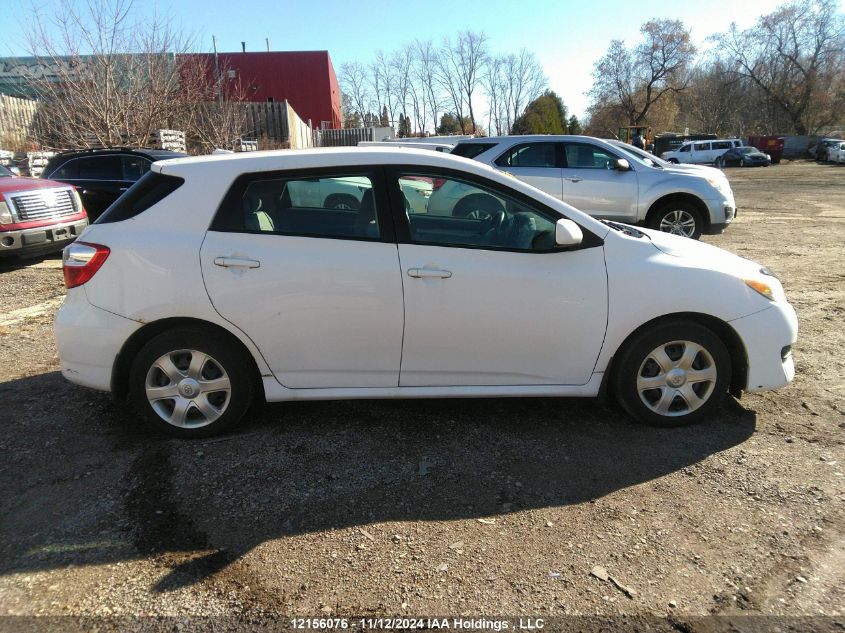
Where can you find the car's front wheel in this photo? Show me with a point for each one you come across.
(190, 383)
(674, 374)
(678, 218)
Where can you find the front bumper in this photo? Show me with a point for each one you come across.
(89, 340)
(722, 212)
(40, 240)
(768, 337)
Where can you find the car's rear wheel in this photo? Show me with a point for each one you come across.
(678, 218)
(187, 383)
(674, 374)
(720, 162)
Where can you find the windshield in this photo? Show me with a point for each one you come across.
(642, 157)
(5, 173)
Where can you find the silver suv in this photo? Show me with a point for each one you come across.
(606, 182)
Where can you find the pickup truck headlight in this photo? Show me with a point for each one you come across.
(5, 214)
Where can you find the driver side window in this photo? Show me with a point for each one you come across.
(465, 214)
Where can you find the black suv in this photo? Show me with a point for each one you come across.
(101, 175)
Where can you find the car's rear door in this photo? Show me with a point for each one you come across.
(317, 289)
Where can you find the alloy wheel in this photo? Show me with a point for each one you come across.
(678, 222)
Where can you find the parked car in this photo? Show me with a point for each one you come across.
(836, 154)
(701, 151)
(192, 311)
(601, 180)
(820, 150)
(101, 175)
(37, 217)
(744, 157)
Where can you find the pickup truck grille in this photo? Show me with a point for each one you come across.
(41, 204)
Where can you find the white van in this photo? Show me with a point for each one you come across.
(701, 151)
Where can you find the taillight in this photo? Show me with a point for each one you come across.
(81, 261)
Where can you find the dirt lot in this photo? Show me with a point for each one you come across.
(441, 508)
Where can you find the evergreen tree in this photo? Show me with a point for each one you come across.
(575, 125)
(545, 115)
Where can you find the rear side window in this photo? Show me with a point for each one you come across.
(333, 206)
(100, 168)
(151, 189)
(722, 145)
(702, 147)
(471, 150)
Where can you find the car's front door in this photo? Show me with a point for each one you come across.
(494, 301)
(591, 184)
(538, 163)
(317, 289)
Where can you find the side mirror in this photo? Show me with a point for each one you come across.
(15, 170)
(622, 164)
(567, 233)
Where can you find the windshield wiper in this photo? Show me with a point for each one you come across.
(624, 228)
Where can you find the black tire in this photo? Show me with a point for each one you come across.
(479, 206)
(674, 161)
(720, 162)
(677, 214)
(634, 361)
(226, 361)
(342, 201)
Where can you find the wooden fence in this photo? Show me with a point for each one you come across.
(16, 120)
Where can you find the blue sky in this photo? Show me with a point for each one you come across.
(567, 37)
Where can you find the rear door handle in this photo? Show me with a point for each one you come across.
(236, 262)
(429, 273)
(574, 179)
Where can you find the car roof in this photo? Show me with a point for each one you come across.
(225, 167)
(157, 154)
(521, 138)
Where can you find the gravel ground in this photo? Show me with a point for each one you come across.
(442, 508)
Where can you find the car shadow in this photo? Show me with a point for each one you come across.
(90, 485)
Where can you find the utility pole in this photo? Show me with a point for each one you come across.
(217, 70)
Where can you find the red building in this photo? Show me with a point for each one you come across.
(306, 79)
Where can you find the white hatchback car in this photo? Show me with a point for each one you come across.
(204, 287)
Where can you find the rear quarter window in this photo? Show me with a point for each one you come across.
(151, 189)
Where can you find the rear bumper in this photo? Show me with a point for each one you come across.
(78, 326)
(40, 240)
(768, 337)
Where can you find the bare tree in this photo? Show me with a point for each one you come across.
(795, 56)
(638, 78)
(355, 84)
(494, 82)
(524, 82)
(113, 80)
(426, 66)
(460, 68)
(384, 85)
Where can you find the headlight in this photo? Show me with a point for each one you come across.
(718, 184)
(5, 214)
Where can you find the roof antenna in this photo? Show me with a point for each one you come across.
(267, 40)
(243, 47)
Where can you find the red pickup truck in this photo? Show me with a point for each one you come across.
(37, 216)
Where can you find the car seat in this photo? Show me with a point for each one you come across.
(365, 221)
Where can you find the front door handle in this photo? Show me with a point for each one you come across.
(429, 273)
(574, 179)
(236, 262)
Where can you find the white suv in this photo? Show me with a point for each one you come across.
(181, 300)
(699, 152)
(596, 177)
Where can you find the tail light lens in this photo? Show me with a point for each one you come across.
(81, 261)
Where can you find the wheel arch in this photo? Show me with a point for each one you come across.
(142, 336)
(722, 329)
(689, 198)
